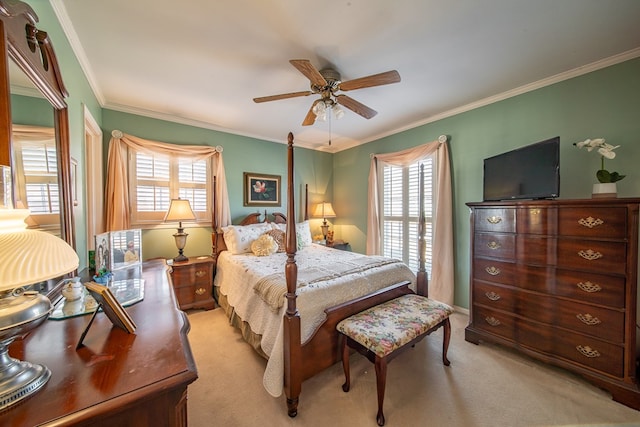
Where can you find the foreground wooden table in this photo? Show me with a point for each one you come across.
(116, 379)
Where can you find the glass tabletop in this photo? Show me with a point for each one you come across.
(127, 292)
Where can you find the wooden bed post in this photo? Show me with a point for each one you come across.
(291, 336)
(422, 280)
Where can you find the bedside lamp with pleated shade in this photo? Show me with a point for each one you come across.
(180, 210)
(27, 257)
(324, 210)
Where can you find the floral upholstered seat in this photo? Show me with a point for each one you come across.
(386, 327)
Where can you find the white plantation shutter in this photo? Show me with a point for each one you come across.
(400, 207)
(157, 178)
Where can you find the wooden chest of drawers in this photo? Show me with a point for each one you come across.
(558, 281)
(193, 282)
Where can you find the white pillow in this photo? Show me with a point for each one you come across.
(264, 245)
(238, 238)
(303, 234)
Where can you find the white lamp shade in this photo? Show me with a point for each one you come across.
(324, 210)
(30, 256)
(179, 210)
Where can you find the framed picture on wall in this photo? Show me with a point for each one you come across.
(261, 189)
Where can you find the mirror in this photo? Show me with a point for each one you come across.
(32, 81)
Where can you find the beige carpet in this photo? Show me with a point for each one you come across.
(486, 385)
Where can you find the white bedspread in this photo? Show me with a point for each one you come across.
(237, 275)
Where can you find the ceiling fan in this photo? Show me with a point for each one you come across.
(326, 83)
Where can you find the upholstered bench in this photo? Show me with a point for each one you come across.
(383, 331)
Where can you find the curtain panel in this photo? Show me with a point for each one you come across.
(442, 273)
(117, 191)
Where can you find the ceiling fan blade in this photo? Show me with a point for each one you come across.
(282, 96)
(311, 116)
(373, 80)
(311, 72)
(355, 106)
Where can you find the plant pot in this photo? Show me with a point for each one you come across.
(604, 190)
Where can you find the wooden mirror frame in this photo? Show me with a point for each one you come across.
(31, 50)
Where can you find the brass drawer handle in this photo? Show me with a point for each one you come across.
(494, 245)
(588, 319)
(200, 273)
(590, 222)
(492, 296)
(494, 219)
(589, 287)
(492, 321)
(492, 270)
(588, 351)
(200, 291)
(590, 255)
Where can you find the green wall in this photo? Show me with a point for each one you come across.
(605, 103)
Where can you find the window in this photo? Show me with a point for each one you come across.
(400, 209)
(157, 178)
(37, 181)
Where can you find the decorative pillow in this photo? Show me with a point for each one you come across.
(281, 227)
(279, 237)
(238, 238)
(264, 245)
(303, 234)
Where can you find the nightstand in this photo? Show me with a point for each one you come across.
(339, 244)
(193, 282)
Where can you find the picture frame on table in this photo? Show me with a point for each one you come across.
(261, 189)
(125, 248)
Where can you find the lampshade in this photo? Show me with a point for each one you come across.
(30, 256)
(179, 210)
(324, 210)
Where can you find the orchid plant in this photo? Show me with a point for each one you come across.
(606, 151)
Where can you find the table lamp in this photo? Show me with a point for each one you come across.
(27, 257)
(180, 210)
(324, 210)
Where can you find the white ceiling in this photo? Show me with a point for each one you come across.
(201, 62)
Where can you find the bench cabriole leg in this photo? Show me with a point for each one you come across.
(445, 341)
(345, 365)
(381, 382)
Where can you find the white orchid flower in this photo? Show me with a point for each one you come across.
(606, 153)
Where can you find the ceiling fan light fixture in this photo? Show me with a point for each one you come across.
(319, 108)
(338, 112)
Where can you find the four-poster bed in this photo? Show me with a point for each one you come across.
(299, 337)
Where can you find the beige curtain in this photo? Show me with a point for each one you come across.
(117, 192)
(441, 280)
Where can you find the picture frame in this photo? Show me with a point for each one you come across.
(261, 189)
(125, 249)
(103, 252)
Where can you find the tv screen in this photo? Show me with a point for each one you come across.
(531, 172)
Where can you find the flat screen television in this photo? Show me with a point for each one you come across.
(530, 172)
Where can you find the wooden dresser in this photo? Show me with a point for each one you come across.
(557, 280)
(116, 379)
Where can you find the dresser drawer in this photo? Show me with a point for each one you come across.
(592, 255)
(494, 271)
(495, 245)
(591, 287)
(536, 220)
(193, 294)
(495, 297)
(593, 222)
(494, 322)
(587, 351)
(192, 274)
(495, 219)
